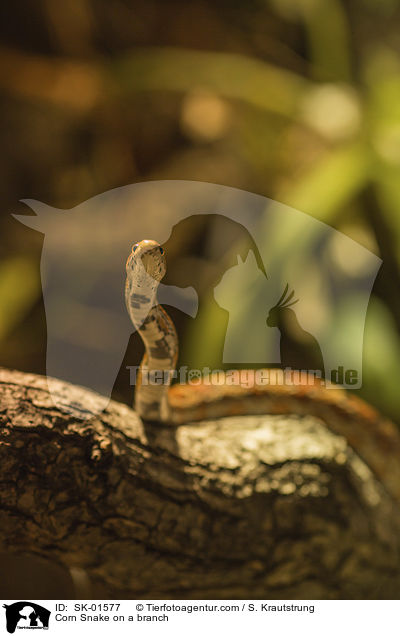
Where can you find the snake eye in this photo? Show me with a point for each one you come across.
(161, 250)
(134, 248)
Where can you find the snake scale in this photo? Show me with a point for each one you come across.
(373, 437)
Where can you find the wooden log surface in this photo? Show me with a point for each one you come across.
(258, 506)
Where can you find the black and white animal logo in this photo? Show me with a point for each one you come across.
(25, 614)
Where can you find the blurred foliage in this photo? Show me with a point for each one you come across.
(19, 288)
(298, 100)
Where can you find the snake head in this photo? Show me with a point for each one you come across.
(150, 255)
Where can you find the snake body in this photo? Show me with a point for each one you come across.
(372, 436)
(145, 269)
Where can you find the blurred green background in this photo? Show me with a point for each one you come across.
(297, 100)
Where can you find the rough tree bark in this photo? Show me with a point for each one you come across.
(263, 506)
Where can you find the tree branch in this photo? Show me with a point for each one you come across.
(263, 506)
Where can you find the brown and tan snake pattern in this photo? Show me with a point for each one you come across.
(374, 438)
